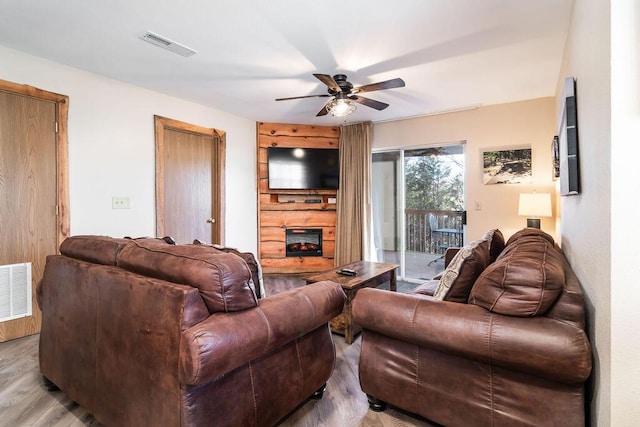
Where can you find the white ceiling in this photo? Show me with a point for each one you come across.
(452, 54)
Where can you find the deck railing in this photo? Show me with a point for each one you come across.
(420, 237)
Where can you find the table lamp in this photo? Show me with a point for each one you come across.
(534, 206)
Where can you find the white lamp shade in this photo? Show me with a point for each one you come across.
(535, 205)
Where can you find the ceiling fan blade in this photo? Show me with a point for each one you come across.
(389, 84)
(323, 112)
(305, 96)
(369, 102)
(328, 80)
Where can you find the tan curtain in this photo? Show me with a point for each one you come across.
(354, 196)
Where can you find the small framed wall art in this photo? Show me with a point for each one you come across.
(555, 157)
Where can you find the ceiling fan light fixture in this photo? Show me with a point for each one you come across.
(341, 106)
(344, 95)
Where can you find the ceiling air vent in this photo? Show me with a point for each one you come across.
(165, 43)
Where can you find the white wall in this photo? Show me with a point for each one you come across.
(599, 233)
(625, 235)
(527, 123)
(112, 149)
(586, 219)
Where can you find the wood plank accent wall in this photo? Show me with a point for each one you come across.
(275, 217)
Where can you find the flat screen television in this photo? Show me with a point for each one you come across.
(303, 168)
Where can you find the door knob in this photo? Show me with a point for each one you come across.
(211, 220)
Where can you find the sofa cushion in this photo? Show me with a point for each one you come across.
(222, 278)
(496, 243)
(96, 249)
(427, 288)
(529, 231)
(465, 267)
(525, 280)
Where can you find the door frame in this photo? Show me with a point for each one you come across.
(218, 196)
(29, 325)
(62, 149)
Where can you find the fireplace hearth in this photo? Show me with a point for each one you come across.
(303, 242)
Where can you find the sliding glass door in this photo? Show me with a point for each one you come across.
(418, 207)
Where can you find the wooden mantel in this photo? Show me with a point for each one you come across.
(275, 211)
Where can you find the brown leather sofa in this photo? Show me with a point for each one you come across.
(512, 352)
(144, 333)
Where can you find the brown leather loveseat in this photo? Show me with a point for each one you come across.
(144, 333)
(500, 343)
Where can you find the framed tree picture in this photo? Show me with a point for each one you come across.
(507, 166)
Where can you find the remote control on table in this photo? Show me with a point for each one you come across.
(347, 272)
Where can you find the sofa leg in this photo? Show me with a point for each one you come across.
(49, 385)
(376, 405)
(319, 393)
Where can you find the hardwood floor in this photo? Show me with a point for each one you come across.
(344, 403)
(25, 401)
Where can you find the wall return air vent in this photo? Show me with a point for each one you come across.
(165, 43)
(15, 291)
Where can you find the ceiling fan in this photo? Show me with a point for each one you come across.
(345, 95)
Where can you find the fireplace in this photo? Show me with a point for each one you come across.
(303, 242)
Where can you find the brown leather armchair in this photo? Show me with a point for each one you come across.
(515, 354)
(144, 333)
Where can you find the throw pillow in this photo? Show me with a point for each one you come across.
(526, 280)
(166, 239)
(463, 270)
(252, 263)
(496, 243)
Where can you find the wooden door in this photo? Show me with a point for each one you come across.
(189, 181)
(32, 197)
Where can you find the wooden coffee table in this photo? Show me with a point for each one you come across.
(370, 274)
